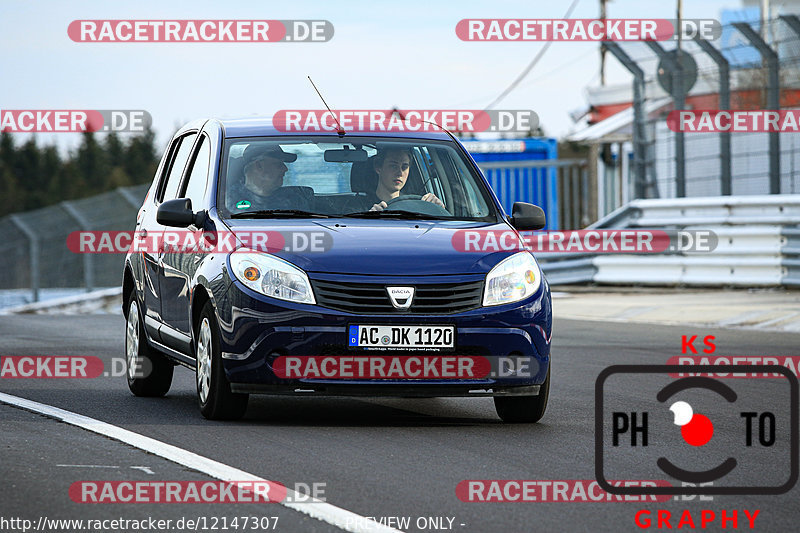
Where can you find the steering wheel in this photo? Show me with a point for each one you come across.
(403, 198)
(415, 204)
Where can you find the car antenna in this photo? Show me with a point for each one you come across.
(340, 131)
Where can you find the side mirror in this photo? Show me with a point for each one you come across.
(177, 213)
(526, 216)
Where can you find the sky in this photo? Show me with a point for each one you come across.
(383, 54)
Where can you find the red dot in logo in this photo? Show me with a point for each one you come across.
(698, 431)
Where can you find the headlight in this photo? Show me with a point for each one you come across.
(271, 276)
(512, 280)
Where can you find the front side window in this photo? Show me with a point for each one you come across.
(198, 175)
(170, 190)
(331, 176)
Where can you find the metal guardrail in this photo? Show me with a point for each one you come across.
(758, 244)
(791, 256)
(103, 300)
(33, 251)
(758, 270)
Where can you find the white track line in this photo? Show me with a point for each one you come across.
(320, 510)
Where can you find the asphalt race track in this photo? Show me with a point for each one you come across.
(377, 457)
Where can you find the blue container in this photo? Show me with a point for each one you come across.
(535, 185)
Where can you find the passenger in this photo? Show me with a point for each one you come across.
(262, 187)
(392, 166)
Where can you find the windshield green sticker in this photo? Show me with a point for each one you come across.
(243, 204)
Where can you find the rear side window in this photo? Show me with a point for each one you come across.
(181, 155)
(198, 175)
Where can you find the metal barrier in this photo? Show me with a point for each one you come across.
(758, 244)
(34, 253)
(791, 256)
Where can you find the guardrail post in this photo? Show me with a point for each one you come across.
(88, 259)
(642, 183)
(593, 186)
(679, 100)
(587, 198)
(773, 100)
(33, 251)
(793, 21)
(723, 67)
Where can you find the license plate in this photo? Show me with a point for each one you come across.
(402, 337)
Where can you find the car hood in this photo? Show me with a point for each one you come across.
(385, 247)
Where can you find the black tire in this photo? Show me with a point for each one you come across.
(524, 409)
(148, 372)
(214, 395)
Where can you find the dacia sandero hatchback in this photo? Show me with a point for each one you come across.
(325, 263)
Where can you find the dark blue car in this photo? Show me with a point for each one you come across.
(325, 263)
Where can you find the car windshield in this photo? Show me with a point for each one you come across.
(301, 177)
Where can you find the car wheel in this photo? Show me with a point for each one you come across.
(515, 409)
(214, 395)
(149, 373)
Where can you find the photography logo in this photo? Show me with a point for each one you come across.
(736, 437)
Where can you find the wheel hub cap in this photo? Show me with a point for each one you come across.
(132, 340)
(204, 360)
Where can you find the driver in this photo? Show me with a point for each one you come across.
(392, 166)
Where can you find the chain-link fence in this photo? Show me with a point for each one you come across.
(750, 67)
(34, 252)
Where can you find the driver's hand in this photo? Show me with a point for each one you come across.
(430, 197)
(379, 207)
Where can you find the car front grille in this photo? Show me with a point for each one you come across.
(372, 298)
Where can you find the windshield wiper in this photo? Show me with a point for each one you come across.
(279, 213)
(395, 214)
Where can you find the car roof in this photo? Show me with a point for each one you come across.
(263, 127)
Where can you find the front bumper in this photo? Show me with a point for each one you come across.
(256, 330)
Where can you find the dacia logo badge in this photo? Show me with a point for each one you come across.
(401, 297)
